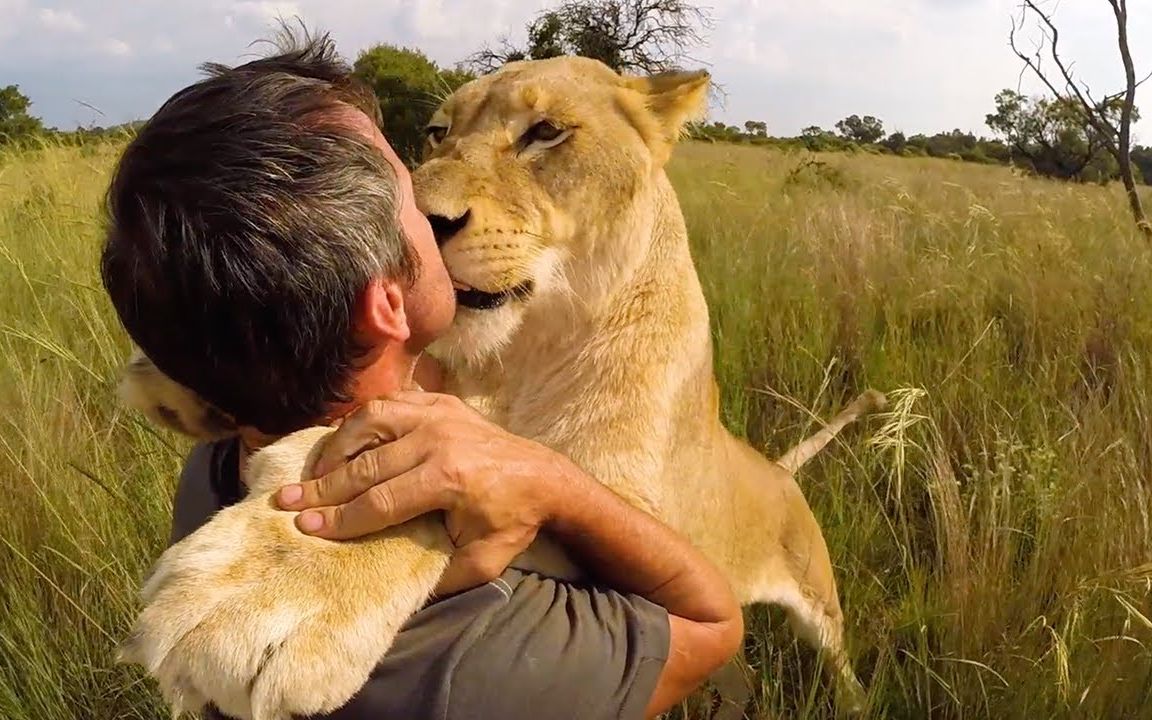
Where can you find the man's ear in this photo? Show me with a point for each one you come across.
(674, 99)
(381, 316)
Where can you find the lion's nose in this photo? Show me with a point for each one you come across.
(444, 228)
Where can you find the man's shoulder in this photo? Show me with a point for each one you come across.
(564, 650)
(579, 651)
(201, 490)
(198, 464)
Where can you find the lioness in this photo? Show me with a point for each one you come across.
(582, 325)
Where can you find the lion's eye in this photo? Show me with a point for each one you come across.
(545, 134)
(436, 134)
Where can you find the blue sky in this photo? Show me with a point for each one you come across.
(919, 65)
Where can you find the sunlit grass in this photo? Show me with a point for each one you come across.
(992, 530)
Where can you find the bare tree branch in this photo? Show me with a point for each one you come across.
(1052, 36)
(645, 36)
(489, 59)
(1114, 134)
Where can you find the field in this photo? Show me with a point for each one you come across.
(993, 531)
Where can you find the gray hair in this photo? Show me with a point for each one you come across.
(245, 221)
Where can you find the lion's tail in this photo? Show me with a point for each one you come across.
(867, 402)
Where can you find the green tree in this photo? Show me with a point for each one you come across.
(16, 123)
(1054, 135)
(896, 142)
(546, 37)
(817, 139)
(643, 36)
(756, 128)
(409, 87)
(862, 130)
(1142, 159)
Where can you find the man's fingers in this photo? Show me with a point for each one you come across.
(350, 480)
(378, 422)
(382, 506)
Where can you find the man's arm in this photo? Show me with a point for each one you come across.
(430, 452)
(633, 552)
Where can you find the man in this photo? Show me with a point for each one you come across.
(265, 251)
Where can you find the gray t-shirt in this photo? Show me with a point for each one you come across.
(523, 646)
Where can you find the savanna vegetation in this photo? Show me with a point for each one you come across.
(992, 530)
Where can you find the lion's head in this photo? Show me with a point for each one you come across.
(538, 181)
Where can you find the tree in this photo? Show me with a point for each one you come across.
(1142, 159)
(16, 122)
(1054, 136)
(1113, 128)
(642, 36)
(862, 130)
(409, 88)
(817, 139)
(756, 128)
(965, 145)
(896, 142)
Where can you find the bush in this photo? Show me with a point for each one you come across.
(813, 173)
(409, 88)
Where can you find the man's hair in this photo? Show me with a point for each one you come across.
(245, 221)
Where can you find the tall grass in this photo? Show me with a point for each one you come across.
(993, 536)
(85, 488)
(992, 530)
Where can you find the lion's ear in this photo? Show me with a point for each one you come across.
(166, 403)
(674, 98)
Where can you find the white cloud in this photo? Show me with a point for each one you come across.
(115, 48)
(13, 12)
(745, 46)
(920, 65)
(13, 7)
(431, 21)
(162, 44)
(264, 10)
(62, 20)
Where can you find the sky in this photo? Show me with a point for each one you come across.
(919, 65)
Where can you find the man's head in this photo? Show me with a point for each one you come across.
(264, 248)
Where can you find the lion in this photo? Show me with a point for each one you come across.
(582, 325)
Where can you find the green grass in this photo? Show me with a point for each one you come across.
(993, 532)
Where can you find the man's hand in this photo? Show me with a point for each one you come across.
(393, 460)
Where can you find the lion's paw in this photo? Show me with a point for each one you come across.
(266, 623)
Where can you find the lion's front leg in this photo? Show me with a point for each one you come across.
(265, 623)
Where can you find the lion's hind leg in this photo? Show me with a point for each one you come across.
(815, 617)
(801, 580)
(822, 627)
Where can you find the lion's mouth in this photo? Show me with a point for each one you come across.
(469, 297)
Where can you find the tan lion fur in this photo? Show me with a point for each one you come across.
(268, 623)
(609, 361)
